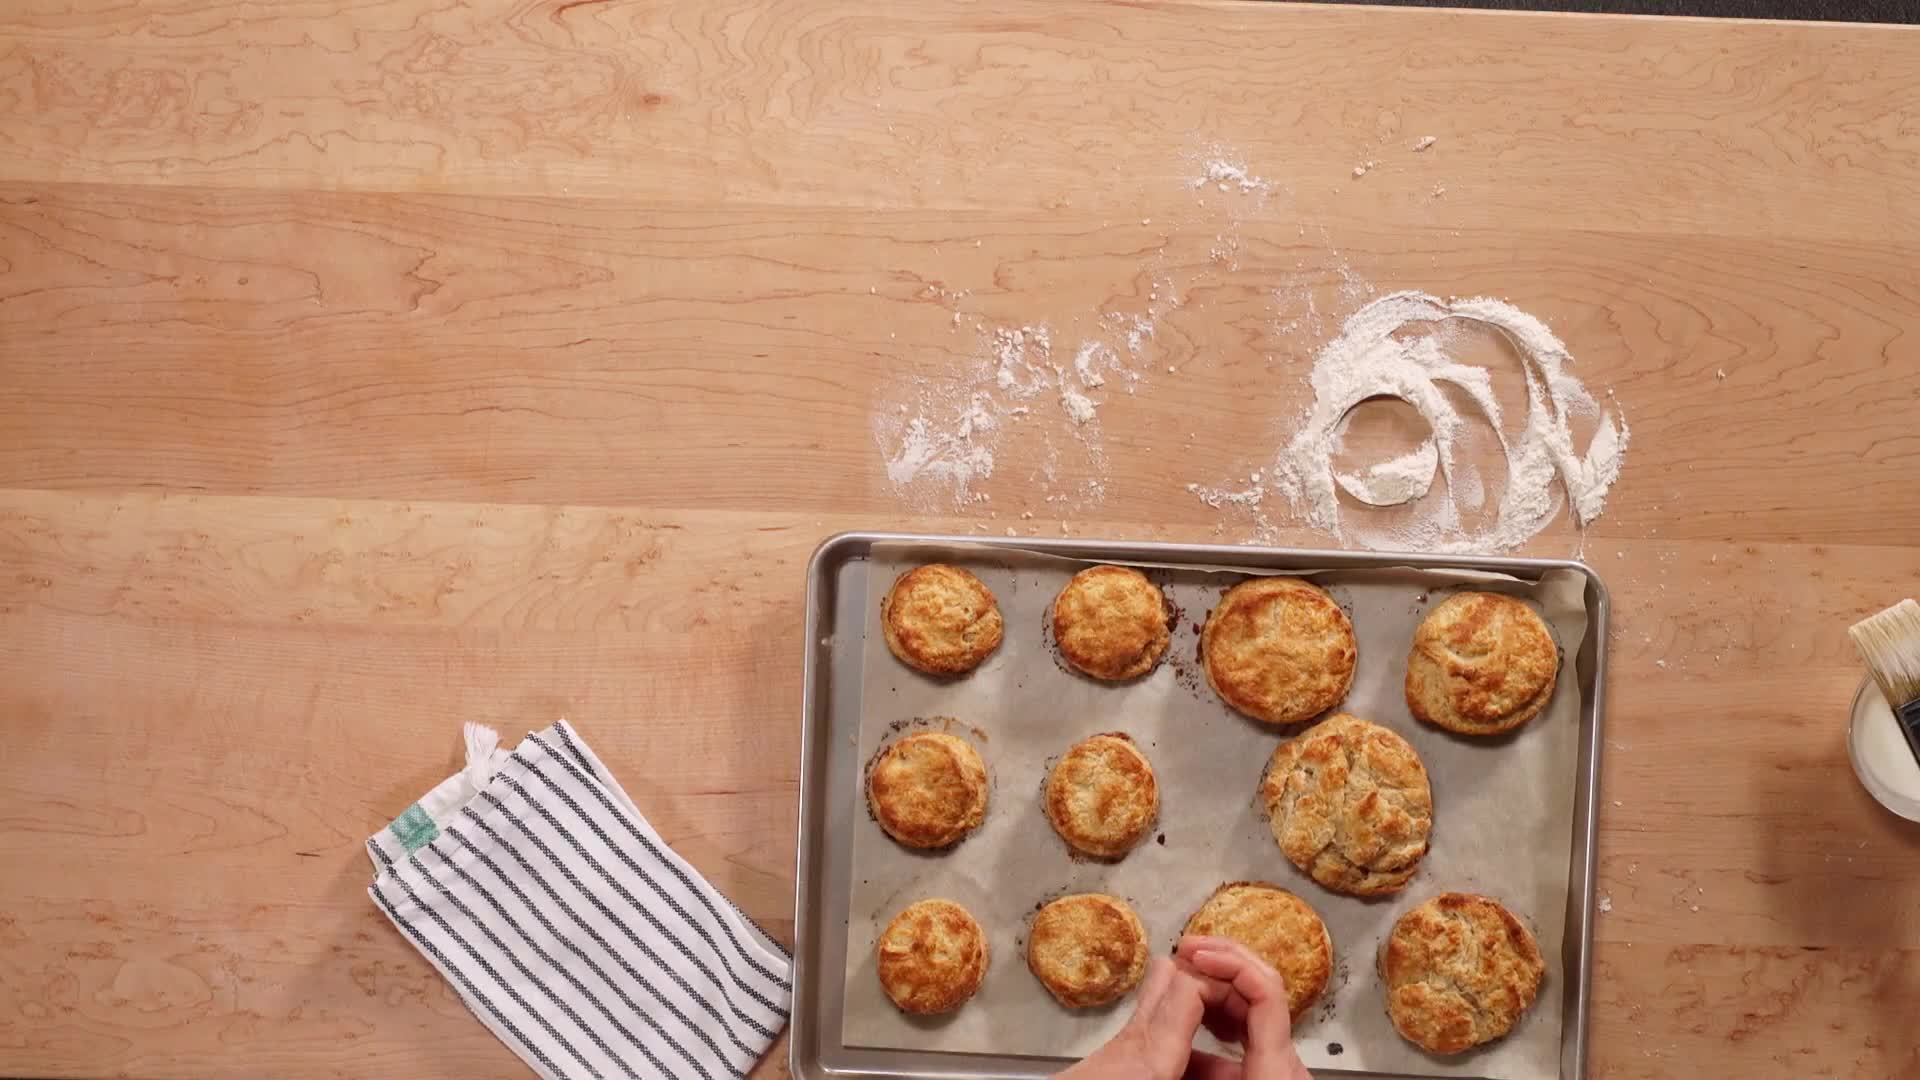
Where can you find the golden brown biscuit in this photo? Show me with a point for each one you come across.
(928, 790)
(932, 957)
(1459, 971)
(1349, 803)
(1279, 649)
(1087, 949)
(1112, 623)
(940, 619)
(1481, 664)
(1102, 796)
(1279, 927)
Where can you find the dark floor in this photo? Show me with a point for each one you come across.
(1887, 11)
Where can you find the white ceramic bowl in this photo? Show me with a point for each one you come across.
(1881, 758)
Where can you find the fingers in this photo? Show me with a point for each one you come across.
(1268, 1029)
(1174, 1000)
(1205, 1066)
(1226, 1010)
(1223, 1010)
(1235, 965)
(1214, 993)
(1228, 1021)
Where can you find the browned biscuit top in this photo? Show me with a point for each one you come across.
(1279, 649)
(940, 619)
(928, 790)
(1459, 970)
(1348, 802)
(1481, 663)
(1102, 796)
(932, 957)
(1110, 622)
(1087, 949)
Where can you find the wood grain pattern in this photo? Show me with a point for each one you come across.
(372, 367)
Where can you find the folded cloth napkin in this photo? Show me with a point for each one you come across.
(573, 932)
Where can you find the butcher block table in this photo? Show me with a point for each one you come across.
(365, 369)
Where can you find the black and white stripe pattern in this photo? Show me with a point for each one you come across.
(575, 933)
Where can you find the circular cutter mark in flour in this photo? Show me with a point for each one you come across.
(1368, 360)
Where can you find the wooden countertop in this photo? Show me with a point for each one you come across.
(372, 368)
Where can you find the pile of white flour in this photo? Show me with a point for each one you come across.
(1369, 359)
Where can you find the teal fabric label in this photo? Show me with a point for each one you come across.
(414, 829)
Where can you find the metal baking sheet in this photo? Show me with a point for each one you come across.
(838, 602)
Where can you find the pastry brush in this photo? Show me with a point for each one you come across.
(1890, 644)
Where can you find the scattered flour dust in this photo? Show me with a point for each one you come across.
(1220, 498)
(939, 444)
(1226, 175)
(948, 452)
(1368, 360)
(939, 436)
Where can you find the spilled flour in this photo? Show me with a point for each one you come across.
(940, 435)
(1391, 483)
(940, 444)
(1031, 399)
(1368, 359)
(1227, 175)
(926, 449)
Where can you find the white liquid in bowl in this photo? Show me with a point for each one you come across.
(1881, 757)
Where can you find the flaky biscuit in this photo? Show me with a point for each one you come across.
(1279, 927)
(1102, 796)
(1348, 802)
(1279, 650)
(940, 619)
(1087, 949)
(1110, 622)
(1481, 664)
(932, 957)
(1459, 970)
(928, 790)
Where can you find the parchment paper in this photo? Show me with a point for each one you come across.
(1503, 812)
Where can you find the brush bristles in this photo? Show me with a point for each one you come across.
(1890, 644)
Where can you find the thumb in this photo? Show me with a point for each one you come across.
(1152, 989)
(1165, 1022)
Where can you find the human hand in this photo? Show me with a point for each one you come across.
(1251, 1012)
(1157, 1041)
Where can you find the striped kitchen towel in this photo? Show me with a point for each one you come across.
(573, 932)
